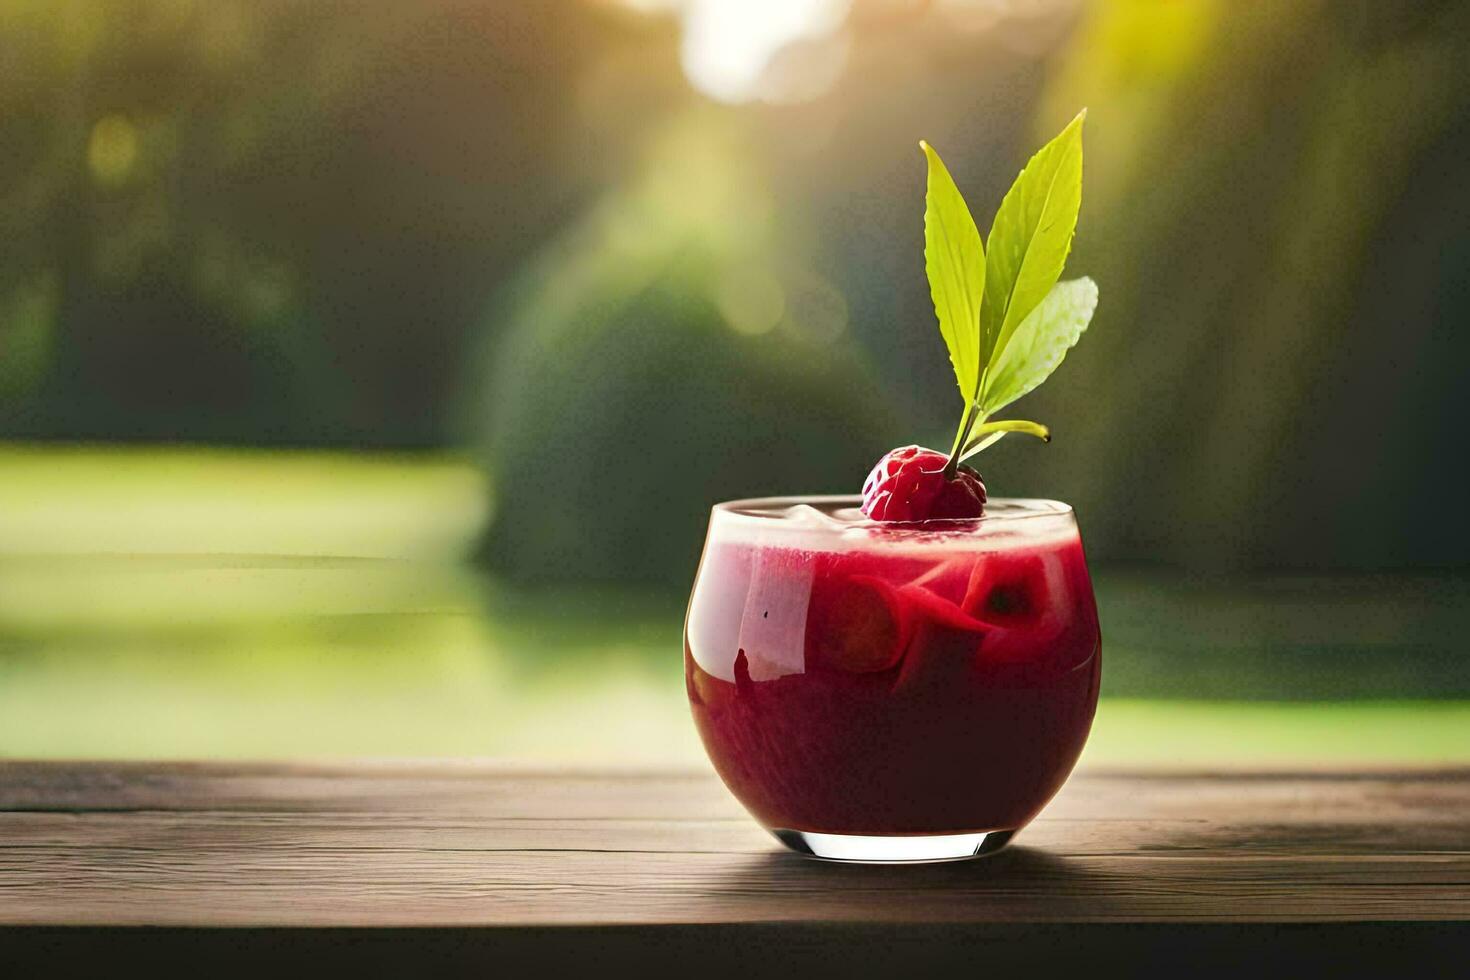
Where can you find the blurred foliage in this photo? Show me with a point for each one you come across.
(1276, 209)
(669, 351)
(256, 221)
(393, 224)
(1275, 213)
(516, 227)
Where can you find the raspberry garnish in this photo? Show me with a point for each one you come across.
(910, 484)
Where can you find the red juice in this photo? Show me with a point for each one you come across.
(855, 678)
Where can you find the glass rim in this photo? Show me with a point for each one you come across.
(746, 511)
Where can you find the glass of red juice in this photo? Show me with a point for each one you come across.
(892, 692)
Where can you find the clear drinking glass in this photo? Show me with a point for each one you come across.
(881, 692)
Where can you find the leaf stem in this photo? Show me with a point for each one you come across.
(988, 433)
(967, 422)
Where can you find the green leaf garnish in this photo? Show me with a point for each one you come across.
(1032, 235)
(1005, 318)
(1039, 343)
(954, 259)
(974, 446)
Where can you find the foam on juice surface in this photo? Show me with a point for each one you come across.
(835, 524)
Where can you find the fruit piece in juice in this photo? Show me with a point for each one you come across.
(862, 625)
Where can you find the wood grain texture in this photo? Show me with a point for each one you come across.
(463, 844)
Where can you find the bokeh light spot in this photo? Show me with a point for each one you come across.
(752, 301)
(112, 149)
(730, 45)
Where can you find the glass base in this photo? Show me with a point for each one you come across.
(894, 849)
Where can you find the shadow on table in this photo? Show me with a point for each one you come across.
(1018, 884)
(1017, 911)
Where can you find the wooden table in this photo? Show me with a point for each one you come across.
(462, 865)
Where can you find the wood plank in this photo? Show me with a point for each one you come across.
(589, 888)
(159, 832)
(485, 789)
(471, 844)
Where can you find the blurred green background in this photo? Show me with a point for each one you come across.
(367, 369)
